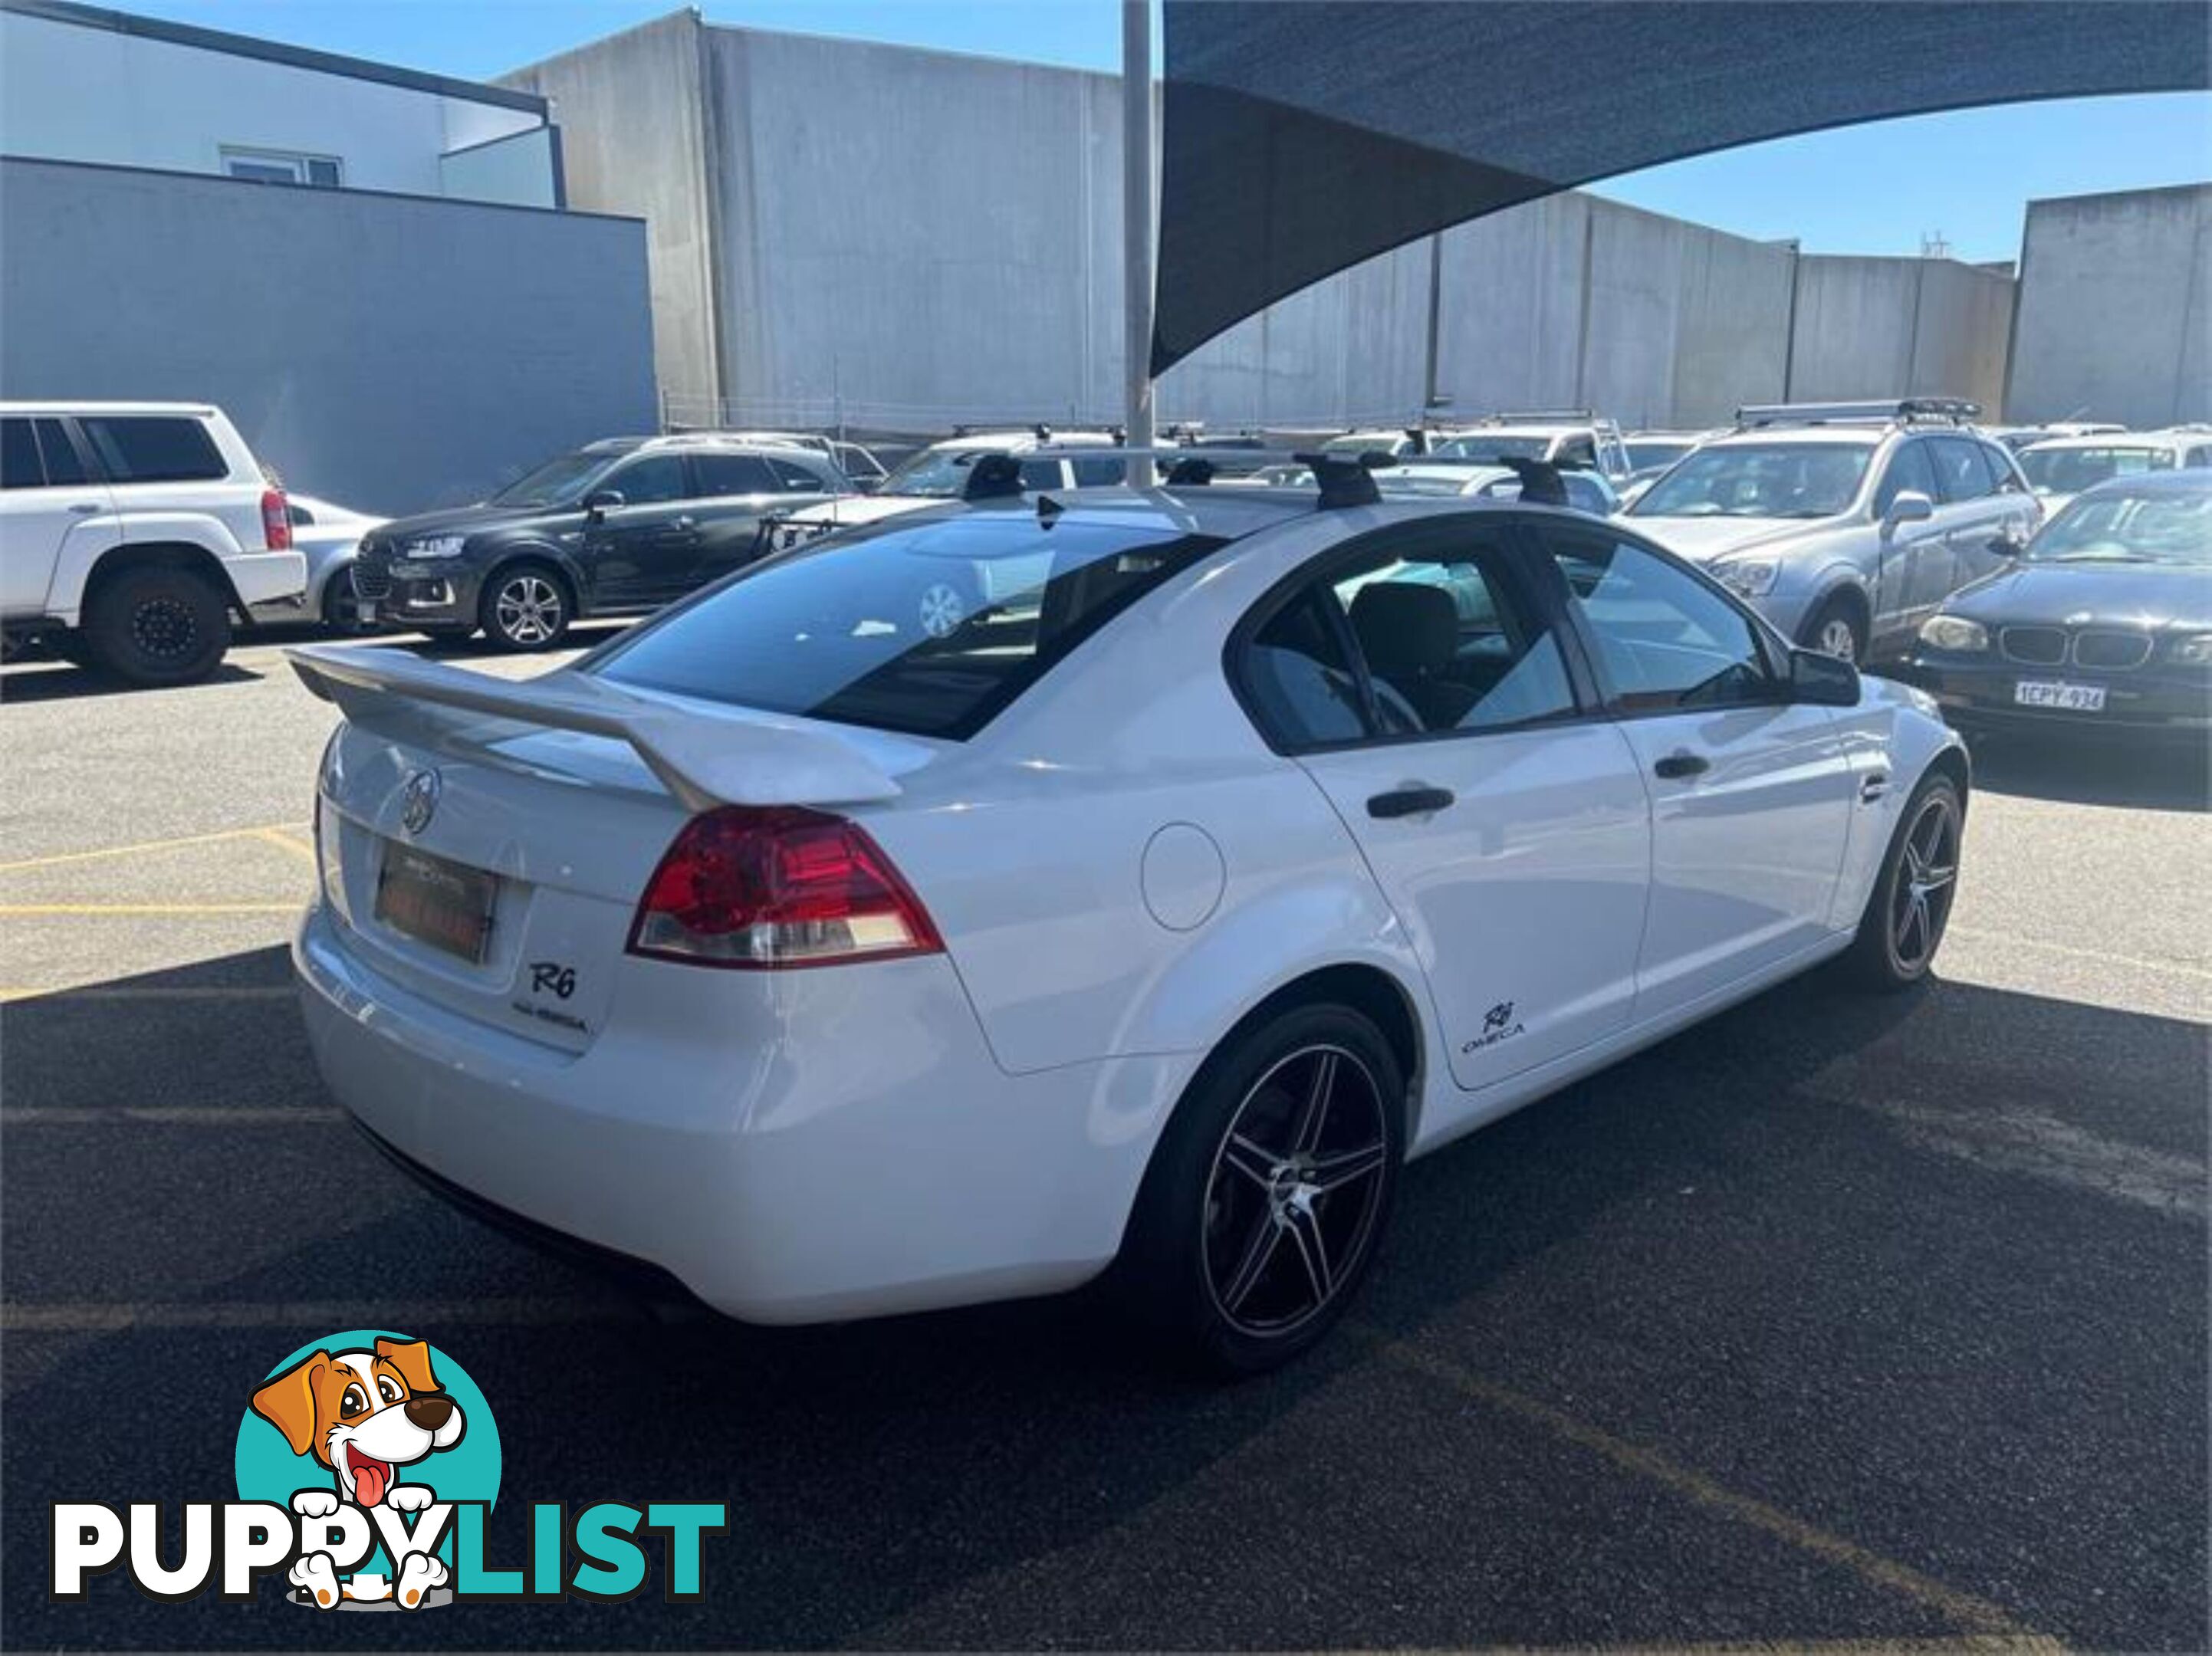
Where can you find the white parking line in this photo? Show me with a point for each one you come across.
(87, 1318)
(150, 992)
(2137, 962)
(2043, 1147)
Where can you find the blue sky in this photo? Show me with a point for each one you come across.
(1874, 189)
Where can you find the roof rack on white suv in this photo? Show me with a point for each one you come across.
(1906, 410)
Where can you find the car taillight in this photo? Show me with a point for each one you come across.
(276, 521)
(778, 886)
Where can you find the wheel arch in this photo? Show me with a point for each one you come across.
(538, 552)
(1845, 584)
(120, 560)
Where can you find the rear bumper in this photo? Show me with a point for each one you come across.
(1976, 693)
(263, 578)
(861, 1154)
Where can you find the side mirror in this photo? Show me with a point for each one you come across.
(600, 501)
(1823, 681)
(2004, 546)
(1910, 506)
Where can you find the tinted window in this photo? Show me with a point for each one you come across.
(2001, 467)
(1664, 637)
(19, 456)
(932, 628)
(1092, 474)
(560, 482)
(649, 482)
(1302, 684)
(2199, 457)
(796, 479)
(734, 473)
(1909, 468)
(153, 449)
(63, 464)
(1041, 474)
(2055, 470)
(1960, 471)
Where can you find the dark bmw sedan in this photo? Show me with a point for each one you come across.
(617, 527)
(2103, 622)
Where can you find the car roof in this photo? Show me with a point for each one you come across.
(2170, 437)
(1022, 441)
(2188, 480)
(1863, 436)
(67, 408)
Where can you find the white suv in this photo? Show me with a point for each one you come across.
(1566, 437)
(139, 530)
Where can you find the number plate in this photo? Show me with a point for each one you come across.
(445, 904)
(2051, 693)
(367, 608)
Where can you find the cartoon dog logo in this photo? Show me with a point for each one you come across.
(364, 1414)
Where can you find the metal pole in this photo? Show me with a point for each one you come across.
(1137, 229)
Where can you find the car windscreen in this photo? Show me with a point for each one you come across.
(1488, 451)
(1418, 485)
(558, 482)
(2160, 528)
(1759, 480)
(937, 474)
(1644, 453)
(929, 628)
(2070, 470)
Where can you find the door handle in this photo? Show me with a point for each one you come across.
(84, 508)
(684, 523)
(1675, 765)
(1409, 802)
(1874, 785)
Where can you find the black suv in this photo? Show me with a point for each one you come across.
(617, 527)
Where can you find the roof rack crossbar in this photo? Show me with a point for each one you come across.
(1955, 409)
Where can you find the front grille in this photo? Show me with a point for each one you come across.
(2108, 648)
(2037, 646)
(372, 580)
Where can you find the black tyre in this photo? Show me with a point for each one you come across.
(1837, 628)
(525, 606)
(1910, 905)
(157, 625)
(342, 607)
(1267, 1196)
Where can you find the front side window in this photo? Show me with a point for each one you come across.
(1437, 645)
(155, 448)
(1910, 470)
(734, 473)
(1778, 479)
(1960, 471)
(1665, 639)
(929, 628)
(18, 457)
(651, 481)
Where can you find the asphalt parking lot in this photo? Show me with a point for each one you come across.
(1833, 1320)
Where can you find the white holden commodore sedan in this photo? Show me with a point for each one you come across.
(1240, 847)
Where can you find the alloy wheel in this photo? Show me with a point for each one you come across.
(1926, 880)
(528, 608)
(1836, 638)
(1296, 1184)
(165, 628)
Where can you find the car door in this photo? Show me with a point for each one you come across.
(736, 492)
(1971, 514)
(646, 549)
(1902, 548)
(1429, 697)
(2015, 518)
(46, 496)
(1751, 794)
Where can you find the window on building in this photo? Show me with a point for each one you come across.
(281, 166)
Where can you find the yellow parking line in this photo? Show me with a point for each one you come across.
(149, 908)
(1974, 1614)
(278, 837)
(143, 845)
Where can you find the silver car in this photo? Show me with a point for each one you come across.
(1845, 523)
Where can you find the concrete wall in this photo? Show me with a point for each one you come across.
(429, 352)
(2116, 309)
(72, 92)
(635, 136)
(1879, 327)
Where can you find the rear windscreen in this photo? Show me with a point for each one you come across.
(931, 628)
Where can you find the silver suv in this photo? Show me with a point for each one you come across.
(1846, 523)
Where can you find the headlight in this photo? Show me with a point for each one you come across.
(2195, 651)
(1954, 633)
(435, 545)
(1752, 576)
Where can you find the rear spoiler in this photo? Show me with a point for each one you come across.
(703, 760)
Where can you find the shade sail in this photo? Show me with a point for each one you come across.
(1299, 138)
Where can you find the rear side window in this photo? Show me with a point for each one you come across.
(1041, 474)
(733, 474)
(931, 628)
(794, 479)
(19, 456)
(63, 464)
(1960, 471)
(154, 449)
(1093, 474)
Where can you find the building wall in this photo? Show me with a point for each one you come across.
(633, 133)
(427, 353)
(1877, 327)
(70, 91)
(2116, 309)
